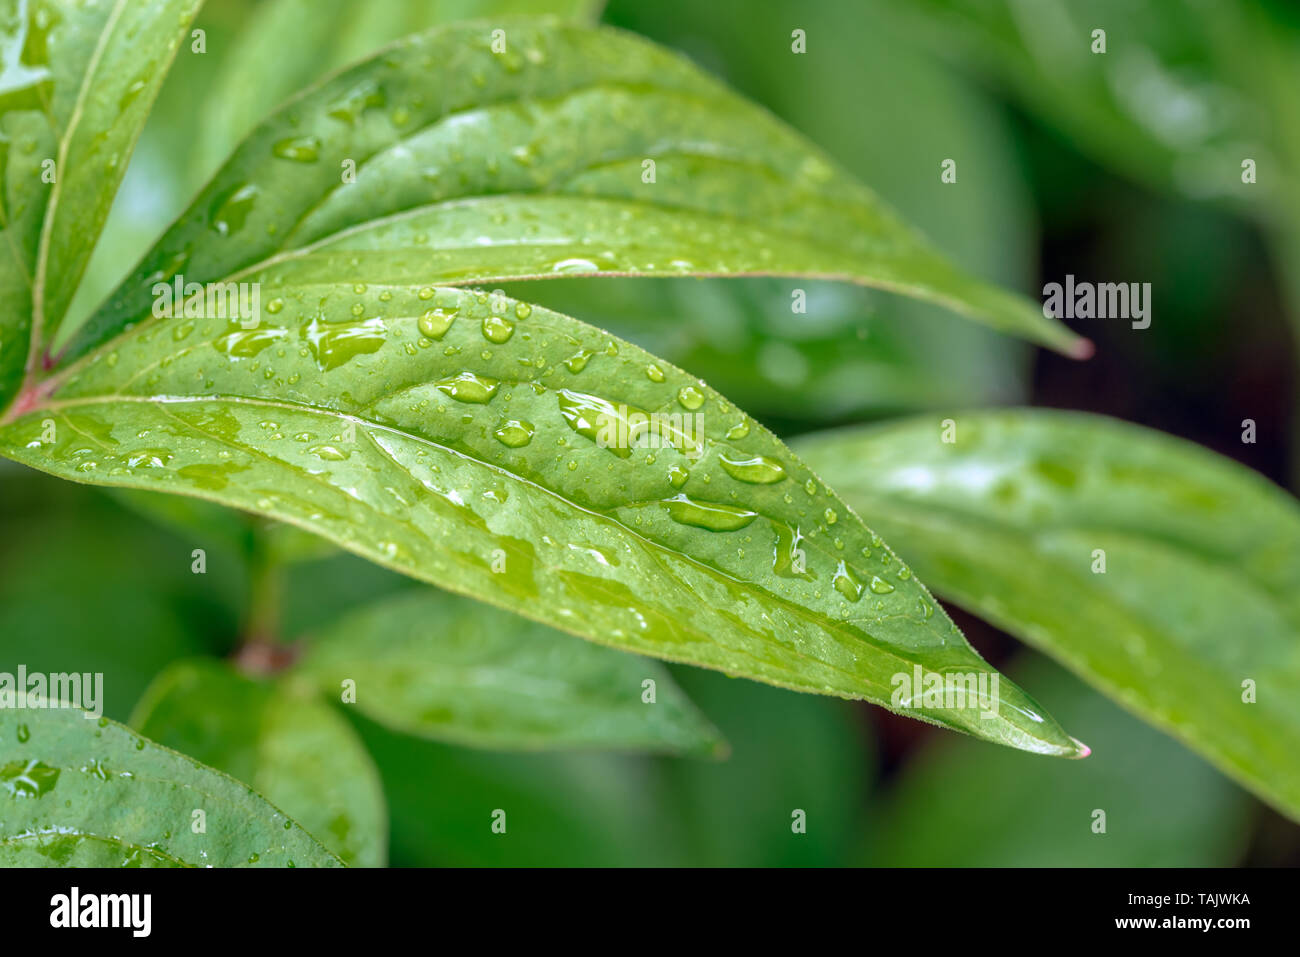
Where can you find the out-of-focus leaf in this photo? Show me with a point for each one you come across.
(957, 806)
(436, 666)
(790, 753)
(1192, 624)
(494, 449)
(1174, 100)
(137, 606)
(75, 792)
(281, 740)
(75, 89)
(557, 810)
(440, 160)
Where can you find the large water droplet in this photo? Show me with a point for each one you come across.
(300, 149)
(846, 583)
(708, 515)
(435, 322)
(758, 470)
(497, 329)
(468, 387)
(515, 433)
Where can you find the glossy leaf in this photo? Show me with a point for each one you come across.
(280, 739)
(440, 160)
(262, 71)
(1164, 806)
(73, 98)
(1193, 624)
(436, 666)
(494, 449)
(76, 792)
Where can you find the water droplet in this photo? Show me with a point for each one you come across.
(578, 361)
(880, 586)
(328, 453)
(231, 209)
(523, 310)
(300, 149)
(435, 322)
(830, 516)
(708, 515)
(515, 433)
(759, 470)
(24, 734)
(654, 373)
(677, 476)
(468, 387)
(739, 430)
(847, 584)
(498, 330)
(690, 397)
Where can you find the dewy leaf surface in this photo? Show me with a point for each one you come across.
(262, 71)
(1201, 591)
(440, 160)
(76, 792)
(440, 667)
(281, 739)
(485, 445)
(77, 80)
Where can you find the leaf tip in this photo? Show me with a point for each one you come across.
(1082, 348)
(1081, 749)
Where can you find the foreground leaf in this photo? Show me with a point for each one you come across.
(280, 739)
(1200, 598)
(74, 95)
(440, 160)
(457, 437)
(440, 667)
(84, 793)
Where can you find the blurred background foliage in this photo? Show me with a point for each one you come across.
(1107, 169)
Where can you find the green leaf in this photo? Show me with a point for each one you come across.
(79, 793)
(152, 606)
(71, 107)
(1201, 589)
(261, 71)
(788, 753)
(446, 434)
(476, 166)
(1164, 807)
(280, 739)
(439, 667)
(1175, 99)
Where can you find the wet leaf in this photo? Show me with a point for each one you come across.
(440, 667)
(1193, 623)
(571, 151)
(261, 71)
(71, 108)
(282, 740)
(519, 456)
(80, 792)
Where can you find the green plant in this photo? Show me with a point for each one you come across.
(384, 402)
